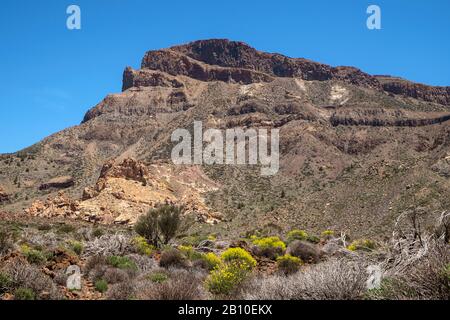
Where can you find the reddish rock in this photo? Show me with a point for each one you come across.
(419, 91)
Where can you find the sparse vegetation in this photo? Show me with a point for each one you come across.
(34, 256)
(158, 277)
(416, 265)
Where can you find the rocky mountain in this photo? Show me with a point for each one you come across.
(356, 150)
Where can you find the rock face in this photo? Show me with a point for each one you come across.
(129, 188)
(419, 91)
(129, 169)
(224, 60)
(58, 183)
(59, 206)
(385, 118)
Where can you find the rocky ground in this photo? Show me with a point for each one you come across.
(70, 259)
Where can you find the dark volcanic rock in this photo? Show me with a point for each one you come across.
(383, 118)
(175, 63)
(58, 183)
(439, 95)
(243, 64)
(144, 78)
(234, 54)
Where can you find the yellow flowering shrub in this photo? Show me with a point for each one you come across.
(327, 233)
(212, 260)
(361, 245)
(142, 246)
(224, 280)
(270, 242)
(239, 255)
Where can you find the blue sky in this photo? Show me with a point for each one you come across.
(50, 76)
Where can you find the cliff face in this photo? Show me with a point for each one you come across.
(440, 95)
(224, 60)
(356, 150)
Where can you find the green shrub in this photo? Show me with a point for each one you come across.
(76, 247)
(223, 280)
(159, 224)
(288, 264)
(147, 227)
(158, 277)
(212, 261)
(193, 240)
(24, 294)
(5, 282)
(240, 256)
(365, 244)
(143, 247)
(121, 263)
(32, 255)
(101, 286)
(169, 221)
(297, 235)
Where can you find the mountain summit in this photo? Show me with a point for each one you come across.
(357, 150)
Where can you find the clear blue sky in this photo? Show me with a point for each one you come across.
(50, 75)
